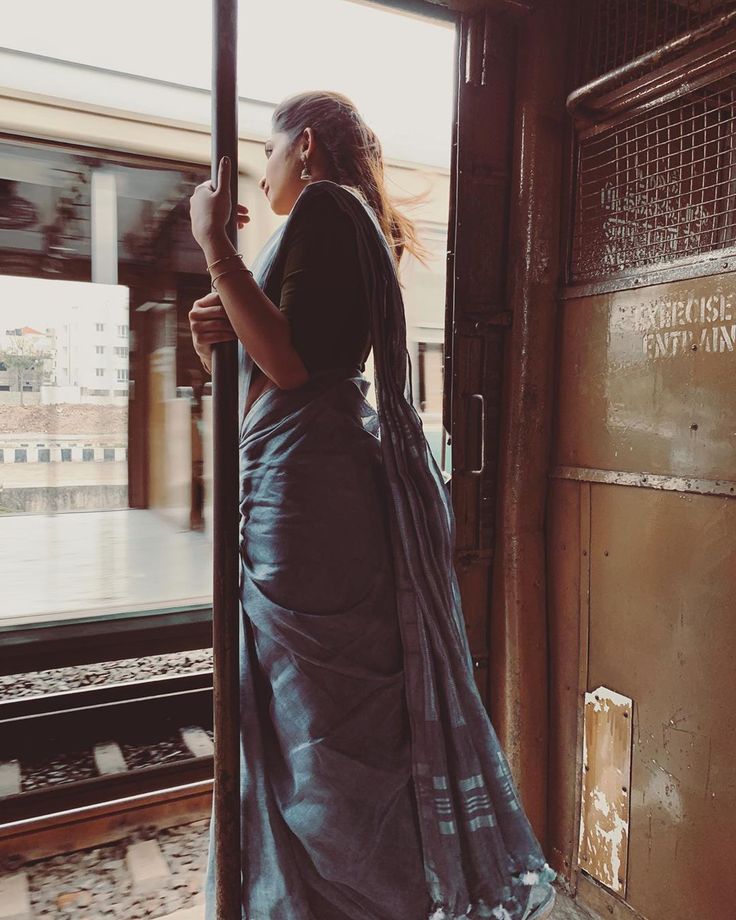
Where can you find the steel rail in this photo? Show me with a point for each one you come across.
(85, 793)
(63, 817)
(65, 827)
(35, 724)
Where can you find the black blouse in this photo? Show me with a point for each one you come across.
(321, 290)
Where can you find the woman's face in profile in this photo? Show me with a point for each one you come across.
(281, 184)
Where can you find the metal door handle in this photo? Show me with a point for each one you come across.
(482, 467)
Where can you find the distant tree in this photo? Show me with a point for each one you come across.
(20, 355)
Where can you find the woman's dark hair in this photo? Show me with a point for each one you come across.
(356, 157)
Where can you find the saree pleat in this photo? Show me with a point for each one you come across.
(373, 784)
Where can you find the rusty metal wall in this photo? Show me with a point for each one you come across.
(643, 576)
(641, 534)
(661, 628)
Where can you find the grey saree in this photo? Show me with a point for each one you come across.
(373, 786)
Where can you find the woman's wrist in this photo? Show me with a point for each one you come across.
(217, 246)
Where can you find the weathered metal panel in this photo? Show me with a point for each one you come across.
(646, 380)
(567, 667)
(646, 420)
(663, 583)
(646, 427)
(604, 819)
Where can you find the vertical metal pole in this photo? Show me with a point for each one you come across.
(519, 653)
(225, 600)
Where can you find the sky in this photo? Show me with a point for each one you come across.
(48, 302)
(396, 68)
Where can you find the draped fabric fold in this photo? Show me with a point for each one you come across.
(373, 784)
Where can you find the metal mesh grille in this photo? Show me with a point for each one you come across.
(659, 187)
(616, 31)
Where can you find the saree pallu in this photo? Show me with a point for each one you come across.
(373, 784)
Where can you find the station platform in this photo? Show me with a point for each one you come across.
(55, 567)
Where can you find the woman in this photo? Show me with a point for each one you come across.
(373, 784)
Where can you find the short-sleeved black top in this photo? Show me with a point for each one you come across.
(320, 289)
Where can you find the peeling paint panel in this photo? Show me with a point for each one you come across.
(604, 820)
(662, 631)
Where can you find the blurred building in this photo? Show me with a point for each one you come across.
(96, 170)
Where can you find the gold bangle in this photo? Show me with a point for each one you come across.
(228, 271)
(232, 255)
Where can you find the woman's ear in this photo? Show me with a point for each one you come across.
(308, 142)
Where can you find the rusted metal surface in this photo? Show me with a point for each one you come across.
(700, 266)
(646, 380)
(656, 575)
(519, 700)
(639, 406)
(598, 900)
(567, 604)
(226, 609)
(590, 100)
(604, 818)
(706, 64)
(648, 480)
(663, 579)
(644, 436)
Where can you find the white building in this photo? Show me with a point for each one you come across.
(92, 348)
(85, 336)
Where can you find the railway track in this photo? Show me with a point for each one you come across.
(116, 725)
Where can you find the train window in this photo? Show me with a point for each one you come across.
(657, 187)
(98, 270)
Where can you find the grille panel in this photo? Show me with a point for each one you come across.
(616, 31)
(658, 187)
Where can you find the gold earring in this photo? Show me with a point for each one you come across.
(305, 174)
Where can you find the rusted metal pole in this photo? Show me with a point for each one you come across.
(519, 671)
(225, 599)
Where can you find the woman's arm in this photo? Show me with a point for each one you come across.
(257, 321)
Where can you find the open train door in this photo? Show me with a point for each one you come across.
(477, 315)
